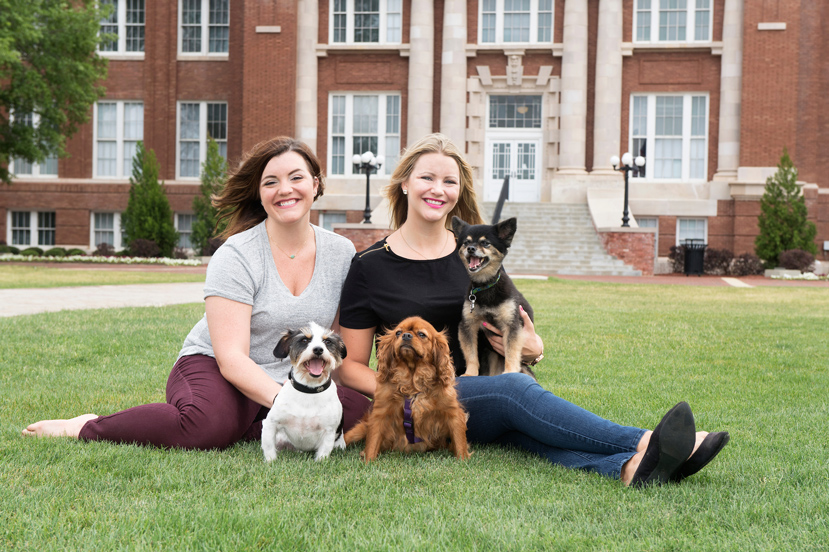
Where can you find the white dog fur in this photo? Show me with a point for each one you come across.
(307, 413)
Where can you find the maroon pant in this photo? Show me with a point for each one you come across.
(203, 411)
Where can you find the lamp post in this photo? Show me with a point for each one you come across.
(367, 163)
(627, 166)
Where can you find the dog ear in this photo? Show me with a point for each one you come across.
(339, 345)
(458, 227)
(284, 346)
(506, 230)
(385, 356)
(443, 360)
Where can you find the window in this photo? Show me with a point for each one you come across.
(25, 226)
(366, 21)
(197, 121)
(329, 218)
(119, 126)
(184, 225)
(691, 230)
(204, 26)
(671, 132)
(21, 167)
(106, 228)
(360, 123)
(515, 111)
(525, 21)
(126, 23)
(672, 21)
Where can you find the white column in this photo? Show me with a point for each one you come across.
(421, 70)
(607, 117)
(731, 77)
(573, 118)
(453, 73)
(306, 72)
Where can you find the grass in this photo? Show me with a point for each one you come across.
(752, 361)
(17, 276)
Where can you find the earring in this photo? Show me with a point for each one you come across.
(405, 191)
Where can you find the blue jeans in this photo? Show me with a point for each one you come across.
(513, 409)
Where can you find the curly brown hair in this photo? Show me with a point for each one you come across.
(467, 206)
(239, 200)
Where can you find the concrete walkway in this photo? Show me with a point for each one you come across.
(14, 302)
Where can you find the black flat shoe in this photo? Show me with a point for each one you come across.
(708, 449)
(670, 446)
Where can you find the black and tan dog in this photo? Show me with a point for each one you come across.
(492, 298)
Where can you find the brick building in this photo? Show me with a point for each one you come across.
(709, 91)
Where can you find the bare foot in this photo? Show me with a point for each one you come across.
(59, 428)
(700, 437)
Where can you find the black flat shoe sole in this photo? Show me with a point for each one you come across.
(670, 446)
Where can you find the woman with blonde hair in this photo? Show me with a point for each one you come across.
(276, 271)
(416, 271)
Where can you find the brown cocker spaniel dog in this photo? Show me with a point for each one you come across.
(414, 366)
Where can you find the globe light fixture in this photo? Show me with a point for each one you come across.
(627, 165)
(368, 164)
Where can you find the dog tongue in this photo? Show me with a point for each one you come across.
(315, 367)
(474, 262)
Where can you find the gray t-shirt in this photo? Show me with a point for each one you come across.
(243, 270)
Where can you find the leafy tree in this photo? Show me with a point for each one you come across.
(213, 173)
(148, 215)
(783, 221)
(48, 67)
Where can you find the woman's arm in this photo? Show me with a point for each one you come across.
(354, 372)
(533, 345)
(229, 325)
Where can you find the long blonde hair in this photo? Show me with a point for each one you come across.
(239, 200)
(467, 206)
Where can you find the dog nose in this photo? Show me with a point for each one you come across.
(318, 351)
(471, 248)
(407, 336)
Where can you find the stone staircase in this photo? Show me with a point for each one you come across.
(556, 238)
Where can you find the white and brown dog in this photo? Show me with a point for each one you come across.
(307, 414)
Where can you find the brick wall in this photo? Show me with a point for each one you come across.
(635, 249)
(362, 236)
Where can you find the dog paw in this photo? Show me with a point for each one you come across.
(270, 456)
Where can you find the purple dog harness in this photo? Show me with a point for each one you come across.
(408, 423)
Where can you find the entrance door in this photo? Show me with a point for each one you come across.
(521, 160)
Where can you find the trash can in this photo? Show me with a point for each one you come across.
(694, 257)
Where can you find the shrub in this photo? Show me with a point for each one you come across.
(75, 252)
(180, 253)
(56, 252)
(9, 249)
(797, 259)
(717, 261)
(677, 258)
(32, 252)
(144, 248)
(104, 250)
(212, 245)
(747, 264)
(207, 225)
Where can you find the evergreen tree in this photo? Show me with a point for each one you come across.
(213, 174)
(783, 221)
(148, 215)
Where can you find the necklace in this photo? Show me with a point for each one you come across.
(418, 252)
(301, 247)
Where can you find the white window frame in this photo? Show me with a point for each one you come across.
(390, 156)
(640, 7)
(205, 32)
(499, 24)
(121, 23)
(340, 217)
(385, 26)
(123, 164)
(34, 228)
(202, 135)
(36, 167)
(182, 233)
(687, 120)
(679, 221)
(116, 229)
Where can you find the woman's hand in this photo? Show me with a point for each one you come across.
(533, 346)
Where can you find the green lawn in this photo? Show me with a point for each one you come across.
(752, 361)
(20, 276)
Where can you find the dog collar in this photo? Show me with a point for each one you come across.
(472, 293)
(304, 388)
(408, 422)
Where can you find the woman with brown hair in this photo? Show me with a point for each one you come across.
(275, 271)
(416, 271)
